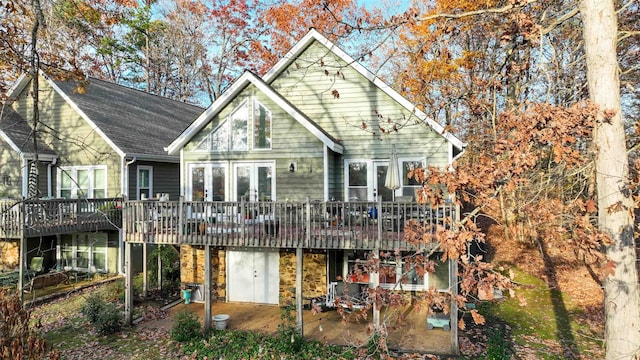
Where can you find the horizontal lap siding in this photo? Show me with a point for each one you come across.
(340, 103)
(69, 135)
(11, 166)
(290, 142)
(166, 179)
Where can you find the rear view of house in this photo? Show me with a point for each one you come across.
(285, 183)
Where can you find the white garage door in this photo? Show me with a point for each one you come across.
(253, 276)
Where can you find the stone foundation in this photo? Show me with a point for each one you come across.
(9, 254)
(314, 273)
(192, 269)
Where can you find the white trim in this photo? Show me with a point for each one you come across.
(244, 80)
(18, 86)
(138, 169)
(208, 165)
(73, 172)
(77, 109)
(312, 35)
(8, 140)
(325, 180)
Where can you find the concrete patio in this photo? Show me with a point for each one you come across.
(410, 335)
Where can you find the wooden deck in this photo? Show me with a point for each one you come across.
(329, 327)
(43, 217)
(311, 225)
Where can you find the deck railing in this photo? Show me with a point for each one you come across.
(42, 217)
(313, 224)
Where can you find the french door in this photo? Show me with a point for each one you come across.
(207, 182)
(365, 180)
(254, 181)
(253, 276)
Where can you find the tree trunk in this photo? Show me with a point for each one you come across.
(622, 310)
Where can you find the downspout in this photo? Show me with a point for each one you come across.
(25, 175)
(125, 176)
(123, 190)
(49, 177)
(326, 173)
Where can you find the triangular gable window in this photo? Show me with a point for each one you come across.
(221, 139)
(217, 140)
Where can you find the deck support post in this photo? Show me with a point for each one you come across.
(23, 265)
(299, 265)
(453, 284)
(159, 269)
(207, 287)
(375, 283)
(128, 288)
(145, 275)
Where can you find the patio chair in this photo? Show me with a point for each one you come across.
(355, 296)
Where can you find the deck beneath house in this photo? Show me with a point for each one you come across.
(310, 225)
(44, 217)
(410, 334)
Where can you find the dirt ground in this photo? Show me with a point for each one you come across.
(408, 334)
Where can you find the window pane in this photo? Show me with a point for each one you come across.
(243, 183)
(264, 183)
(261, 127)
(408, 166)
(219, 138)
(440, 279)
(99, 253)
(83, 252)
(83, 183)
(358, 174)
(65, 181)
(217, 185)
(197, 184)
(99, 183)
(239, 128)
(143, 178)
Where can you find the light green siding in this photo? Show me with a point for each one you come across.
(340, 99)
(11, 166)
(290, 142)
(70, 136)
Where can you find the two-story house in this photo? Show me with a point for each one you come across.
(97, 144)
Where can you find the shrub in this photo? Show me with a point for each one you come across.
(92, 307)
(186, 327)
(109, 320)
(105, 316)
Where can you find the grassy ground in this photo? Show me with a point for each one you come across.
(67, 330)
(543, 323)
(539, 323)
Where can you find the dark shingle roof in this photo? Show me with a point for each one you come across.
(19, 132)
(135, 121)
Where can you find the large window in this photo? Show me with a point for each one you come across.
(145, 181)
(410, 185)
(82, 182)
(85, 251)
(232, 134)
(358, 175)
(261, 126)
(396, 272)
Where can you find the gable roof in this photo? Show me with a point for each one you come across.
(240, 84)
(16, 132)
(314, 35)
(133, 122)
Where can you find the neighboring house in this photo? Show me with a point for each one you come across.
(96, 140)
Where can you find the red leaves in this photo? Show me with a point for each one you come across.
(335, 93)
